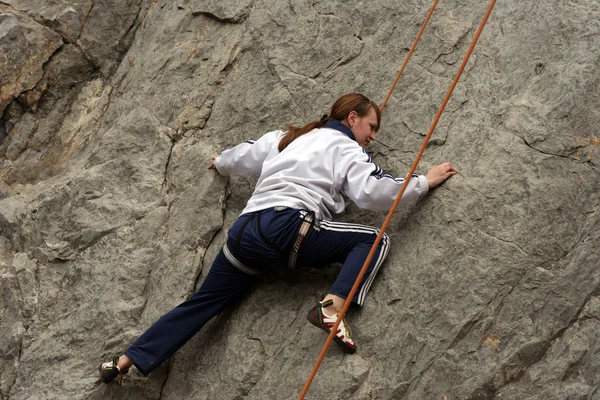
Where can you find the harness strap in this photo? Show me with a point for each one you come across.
(237, 263)
(305, 230)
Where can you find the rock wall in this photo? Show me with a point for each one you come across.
(110, 111)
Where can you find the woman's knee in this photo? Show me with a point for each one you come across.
(385, 239)
(384, 243)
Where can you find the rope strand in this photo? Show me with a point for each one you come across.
(412, 49)
(395, 204)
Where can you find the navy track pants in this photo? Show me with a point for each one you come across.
(260, 241)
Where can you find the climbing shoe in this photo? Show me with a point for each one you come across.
(109, 371)
(343, 335)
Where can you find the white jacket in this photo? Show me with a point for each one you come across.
(319, 171)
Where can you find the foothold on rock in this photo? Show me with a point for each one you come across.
(539, 67)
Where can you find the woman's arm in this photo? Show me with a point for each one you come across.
(246, 158)
(367, 185)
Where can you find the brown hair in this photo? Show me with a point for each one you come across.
(339, 111)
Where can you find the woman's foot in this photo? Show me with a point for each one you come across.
(116, 368)
(322, 319)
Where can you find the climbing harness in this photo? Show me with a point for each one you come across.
(309, 223)
(402, 189)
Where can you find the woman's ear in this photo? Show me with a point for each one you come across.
(352, 118)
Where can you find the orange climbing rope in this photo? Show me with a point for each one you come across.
(412, 49)
(396, 202)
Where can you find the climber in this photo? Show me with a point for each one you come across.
(307, 175)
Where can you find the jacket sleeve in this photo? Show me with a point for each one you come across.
(247, 158)
(370, 187)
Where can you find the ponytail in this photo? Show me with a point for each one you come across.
(339, 111)
(294, 132)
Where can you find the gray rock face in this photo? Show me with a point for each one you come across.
(25, 47)
(111, 110)
(64, 17)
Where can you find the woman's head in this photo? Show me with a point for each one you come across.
(354, 110)
(358, 113)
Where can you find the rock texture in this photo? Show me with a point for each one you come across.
(111, 110)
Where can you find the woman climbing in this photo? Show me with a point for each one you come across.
(307, 175)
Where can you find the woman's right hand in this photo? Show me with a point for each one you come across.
(438, 174)
(213, 164)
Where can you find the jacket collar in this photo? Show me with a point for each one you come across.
(338, 126)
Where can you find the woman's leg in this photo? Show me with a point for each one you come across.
(349, 244)
(223, 284)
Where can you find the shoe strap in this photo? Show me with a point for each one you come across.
(115, 362)
(348, 330)
(326, 303)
